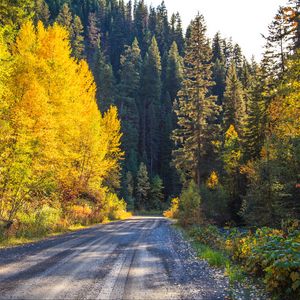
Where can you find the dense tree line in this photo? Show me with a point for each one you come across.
(190, 108)
(242, 148)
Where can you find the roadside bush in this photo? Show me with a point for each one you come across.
(113, 208)
(208, 235)
(215, 203)
(269, 253)
(277, 256)
(80, 214)
(173, 211)
(189, 205)
(38, 222)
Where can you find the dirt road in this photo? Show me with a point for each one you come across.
(141, 258)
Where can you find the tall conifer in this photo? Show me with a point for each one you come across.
(196, 109)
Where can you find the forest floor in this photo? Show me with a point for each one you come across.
(140, 258)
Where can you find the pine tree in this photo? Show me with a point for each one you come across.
(150, 105)
(140, 12)
(196, 109)
(174, 74)
(129, 186)
(219, 68)
(77, 41)
(128, 90)
(172, 83)
(93, 36)
(142, 188)
(162, 28)
(256, 115)
(152, 20)
(234, 102)
(278, 43)
(179, 39)
(156, 196)
(65, 19)
(129, 21)
(118, 36)
(217, 48)
(105, 81)
(42, 12)
(238, 60)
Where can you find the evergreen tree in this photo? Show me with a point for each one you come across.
(129, 184)
(238, 60)
(118, 36)
(196, 109)
(172, 83)
(166, 171)
(140, 12)
(234, 102)
(128, 90)
(217, 48)
(152, 21)
(65, 19)
(219, 67)
(256, 115)
(94, 37)
(142, 188)
(156, 196)
(42, 12)
(228, 51)
(179, 39)
(77, 40)
(174, 74)
(150, 110)
(105, 81)
(162, 28)
(278, 43)
(129, 21)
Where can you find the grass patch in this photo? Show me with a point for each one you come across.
(214, 257)
(234, 273)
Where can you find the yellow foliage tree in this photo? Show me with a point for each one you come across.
(58, 143)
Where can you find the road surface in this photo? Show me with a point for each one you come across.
(140, 258)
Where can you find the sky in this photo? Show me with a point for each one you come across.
(243, 20)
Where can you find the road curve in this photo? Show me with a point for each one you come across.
(140, 258)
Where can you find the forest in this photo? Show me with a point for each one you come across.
(111, 105)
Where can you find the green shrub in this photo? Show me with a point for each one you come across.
(269, 253)
(38, 222)
(213, 257)
(279, 258)
(215, 203)
(208, 235)
(189, 205)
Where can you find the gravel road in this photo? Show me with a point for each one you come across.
(140, 258)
